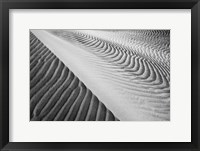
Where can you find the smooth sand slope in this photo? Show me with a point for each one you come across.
(128, 70)
(56, 93)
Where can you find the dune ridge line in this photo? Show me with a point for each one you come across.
(56, 94)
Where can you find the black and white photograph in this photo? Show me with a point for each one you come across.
(99, 75)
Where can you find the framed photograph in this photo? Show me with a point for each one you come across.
(99, 75)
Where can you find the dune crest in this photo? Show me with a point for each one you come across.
(56, 94)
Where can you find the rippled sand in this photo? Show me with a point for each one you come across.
(128, 70)
(56, 93)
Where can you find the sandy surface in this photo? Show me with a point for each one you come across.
(56, 93)
(129, 71)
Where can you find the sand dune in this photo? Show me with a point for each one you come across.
(56, 93)
(132, 68)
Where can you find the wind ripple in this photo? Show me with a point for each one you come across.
(138, 62)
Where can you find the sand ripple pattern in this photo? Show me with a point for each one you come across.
(139, 63)
(56, 94)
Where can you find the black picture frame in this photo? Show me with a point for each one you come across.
(5, 5)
